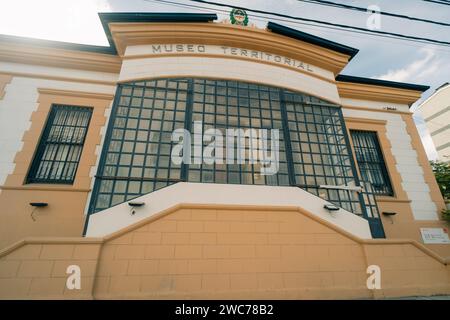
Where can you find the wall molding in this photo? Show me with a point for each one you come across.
(377, 93)
(58, 78)
(103, 240)
(32, 54)
(77, 94)
(365, 120)
(128, 34)
(44, 188)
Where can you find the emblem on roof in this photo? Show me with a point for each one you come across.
(239, 17)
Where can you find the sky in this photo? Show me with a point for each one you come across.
(379, 57)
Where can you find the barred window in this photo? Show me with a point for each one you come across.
(59, 150)
(371, 162)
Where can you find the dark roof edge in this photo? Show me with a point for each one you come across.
(136, 17)
(383, 83)
(309, 38)
(58, 44)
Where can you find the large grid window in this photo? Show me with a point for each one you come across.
(230, 105)
(61, 144)
(137, 159)
(320, 152)
(314, 152)
(371, 162)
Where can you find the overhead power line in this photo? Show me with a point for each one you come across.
(263, 18)
(398, 35)
(446, 3)
(312, 26)
(365, 10)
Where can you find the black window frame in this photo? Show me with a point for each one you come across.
(124, 98)
(84, 116)
(367, 140)
(321, 122)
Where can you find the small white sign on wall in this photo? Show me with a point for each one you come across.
(434, 235)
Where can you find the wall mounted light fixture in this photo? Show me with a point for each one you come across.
(390, 215)
(36, 205)
(134, 205)
(331, 207)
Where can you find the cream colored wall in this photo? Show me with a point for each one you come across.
(140, 51)
(118, 217)
(233, 69)
(374, 105)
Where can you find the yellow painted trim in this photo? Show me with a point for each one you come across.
(4, 80)
(16, 195)
(379, 126)
(128, 34)
(365, 120)
(49, 240)
(247, 59)
(377, 93)
(422, 158)
(23, 159)
(33, 54)
(44, 188)
(78, 94)
(421, 247)
(175, 208)
(68, 79)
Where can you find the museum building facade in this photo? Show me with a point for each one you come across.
(88, 176)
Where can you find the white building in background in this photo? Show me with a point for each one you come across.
(436, 113)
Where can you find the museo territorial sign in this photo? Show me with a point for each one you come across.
(239, 17)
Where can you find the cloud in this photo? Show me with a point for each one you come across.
(415, 70)
(428, 67)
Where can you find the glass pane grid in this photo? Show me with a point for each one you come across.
(319, 151)
(313, 146)
(230, 105)
(137, 160)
